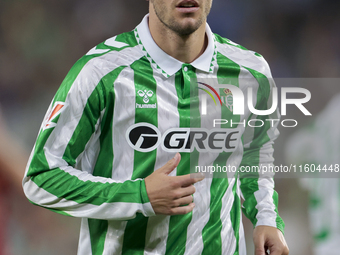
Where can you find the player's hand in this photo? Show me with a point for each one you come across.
(171, 195)
(269, 238)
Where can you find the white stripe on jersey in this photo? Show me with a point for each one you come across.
(84, 244)
(167, 100)
(229, 243)
(201, 211)
(242, 241)
(122, 167)
(200, 217)
(114, 237)
(266, 209)
(229, 240)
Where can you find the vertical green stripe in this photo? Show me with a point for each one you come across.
(144, 162)
(263, 93)
(279, 222)
(189, 116)
(134, 235)
(211, 233)
(235, 217)
(86, 125)
(98, 228)
(227, 73)
(104, 162)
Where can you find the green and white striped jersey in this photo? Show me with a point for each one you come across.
(93, 149)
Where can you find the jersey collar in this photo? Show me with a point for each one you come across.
(164, 62)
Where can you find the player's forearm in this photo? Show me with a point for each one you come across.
(76, 193)
(261, 202)
(260, 199)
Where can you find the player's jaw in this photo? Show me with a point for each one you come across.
(181, 16)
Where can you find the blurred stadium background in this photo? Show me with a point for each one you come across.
(41, 40)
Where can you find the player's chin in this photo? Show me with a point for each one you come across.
(188, 26)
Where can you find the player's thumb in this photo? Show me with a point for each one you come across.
(171, 164)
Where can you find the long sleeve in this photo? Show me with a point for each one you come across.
(260, 199)
(62, 173)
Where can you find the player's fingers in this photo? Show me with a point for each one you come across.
(186, 180)
(259, 245)
(260, 251)
(181, 192)
(284, 245)
(187, 191)
(183, 201)
(276, 253)
(286, 251)
(182, 209)
(171, 164)
(281, 250)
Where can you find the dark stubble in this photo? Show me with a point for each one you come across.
(178, 28)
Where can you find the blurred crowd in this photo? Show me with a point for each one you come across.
(41, 40)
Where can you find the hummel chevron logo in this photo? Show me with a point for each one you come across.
(109, 42)
(145, 94)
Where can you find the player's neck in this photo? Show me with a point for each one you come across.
(183, 48)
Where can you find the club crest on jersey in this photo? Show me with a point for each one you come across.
(228, 99)
(56, 110)
(146, 95)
